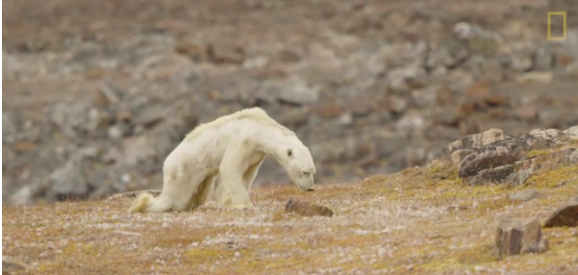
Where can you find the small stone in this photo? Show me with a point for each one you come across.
(287, 56)
(295, 117)
(152, 116)
(444, 96)
(544, 60)
(115, 132)
(298, 92)
(535, 77)
(564, 216)
(395, 104)
(361, 107)
(410, 121)
(525, 195)
(108, 94)
(223, 53)
(329, 111)
(563, 61)
(526, 112)
(521, 62)
(191, 50)
(307, 209)
(346, 119)
(479, 90)
(446, 118)
(520, 236)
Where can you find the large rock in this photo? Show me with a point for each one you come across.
(520, 236)
(493, 156)
(564, 216)
(477, 140)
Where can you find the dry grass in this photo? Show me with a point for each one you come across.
(419, 221)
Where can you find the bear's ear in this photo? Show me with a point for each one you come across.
(289, 152)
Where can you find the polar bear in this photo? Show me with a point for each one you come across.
(231, 148)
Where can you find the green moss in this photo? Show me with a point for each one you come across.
(537, 153)
(553, 177)
(462, 259)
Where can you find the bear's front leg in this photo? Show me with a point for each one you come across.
(231, 190)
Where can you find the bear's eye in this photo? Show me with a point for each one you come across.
(289, 152)
(306, 173)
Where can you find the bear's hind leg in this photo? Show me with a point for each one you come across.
(182, 189)
(202, 193)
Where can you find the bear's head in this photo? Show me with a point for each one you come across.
(299, 165)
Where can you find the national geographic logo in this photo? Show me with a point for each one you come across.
(564, 25)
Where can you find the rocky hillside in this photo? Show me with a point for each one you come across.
(96, 94)
(492, 204)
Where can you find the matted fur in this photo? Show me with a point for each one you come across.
(254, 113)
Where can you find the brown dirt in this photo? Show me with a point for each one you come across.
(405, 223)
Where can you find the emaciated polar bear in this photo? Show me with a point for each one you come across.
(233, 148)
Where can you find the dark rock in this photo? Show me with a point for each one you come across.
(490, 157)
(491, 175)
(192, 50)
(307, 209)
(564, 216)
(8, 267)
(223, 53)
(520, 236)
(287, 56)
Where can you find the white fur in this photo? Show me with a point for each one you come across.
(232, 148)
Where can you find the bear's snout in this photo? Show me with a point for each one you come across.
(310, 190)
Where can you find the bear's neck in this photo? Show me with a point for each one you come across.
(272, 143)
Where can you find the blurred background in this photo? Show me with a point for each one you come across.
(97, 93)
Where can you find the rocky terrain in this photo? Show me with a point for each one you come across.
(96, 94)
(491, 204)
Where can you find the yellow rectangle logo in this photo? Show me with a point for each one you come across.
(556, 38)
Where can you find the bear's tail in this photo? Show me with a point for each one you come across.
(142, 203)
(147, 203)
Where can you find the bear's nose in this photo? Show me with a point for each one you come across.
(310, 189)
